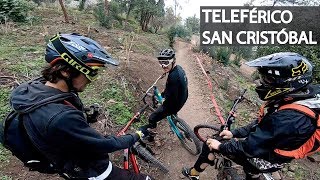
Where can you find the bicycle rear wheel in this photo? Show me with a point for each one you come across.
(189, 141)
(204, 131)
(228, 174)
(145, 155)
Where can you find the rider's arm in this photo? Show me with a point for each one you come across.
(243, 132)
(71, 130)
(171, 92)
(269, 132)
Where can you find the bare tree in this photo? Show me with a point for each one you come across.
(64, 11)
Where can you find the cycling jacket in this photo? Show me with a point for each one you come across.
(285, 129)
(176, 91)
(61, 132)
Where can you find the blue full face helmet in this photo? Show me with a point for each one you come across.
(281, 73)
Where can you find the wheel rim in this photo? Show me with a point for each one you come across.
(187, 141)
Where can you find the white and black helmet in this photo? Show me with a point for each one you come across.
(166, 54)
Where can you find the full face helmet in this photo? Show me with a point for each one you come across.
(281, 73)
(166, 57)
(80, 52)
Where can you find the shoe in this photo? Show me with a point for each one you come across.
(186, 173)
(144, 129)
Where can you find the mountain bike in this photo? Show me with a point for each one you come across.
(223, 164)
(178, 126)
(139, 148)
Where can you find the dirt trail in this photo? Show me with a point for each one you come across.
(195, 111)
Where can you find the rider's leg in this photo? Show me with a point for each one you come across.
(157, 116)
(154, 118)
(122, 174)
(206, 158)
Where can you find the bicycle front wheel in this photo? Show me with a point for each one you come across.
(189, 140)
(144, 154)
(205, 131)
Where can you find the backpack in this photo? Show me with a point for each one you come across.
(14, 137)
(313, 144)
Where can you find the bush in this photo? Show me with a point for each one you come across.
(223, 54)
(100, 15)
(178, 31)
(237, 60)
(15, 10)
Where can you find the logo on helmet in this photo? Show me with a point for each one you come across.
(277, 91)
(301, 69)
(77, 46)
(75, 64)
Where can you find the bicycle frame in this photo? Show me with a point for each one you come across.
(127, 154)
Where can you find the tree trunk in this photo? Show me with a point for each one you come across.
(106, 7)
(129, 10)
(64, 11)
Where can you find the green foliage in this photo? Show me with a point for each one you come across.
(245, 51)
(15, 10)
(100, 15)
(4, 102)
(81, 4)
(112, 18)
(310, 52)
(255, 75)
(237, 60)
(223, 54)
(178, 31)
(120, 109)
(146, 10)
(5, 177)
(225, 84)
(193, 23)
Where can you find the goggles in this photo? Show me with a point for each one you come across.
(267, 80)
(94, 77)
(165, 63)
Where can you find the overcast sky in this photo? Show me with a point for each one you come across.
(191, 7)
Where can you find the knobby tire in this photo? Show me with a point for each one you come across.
(144, 154)
(188, 136)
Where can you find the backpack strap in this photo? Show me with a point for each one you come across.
(302, 109)
(13, 113)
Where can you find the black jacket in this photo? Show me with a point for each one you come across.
(62, 133)
(285, 129)
(176, 91)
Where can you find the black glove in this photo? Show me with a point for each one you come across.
(92, 113)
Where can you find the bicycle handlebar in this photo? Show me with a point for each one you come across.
(153, 85)
(230, 118)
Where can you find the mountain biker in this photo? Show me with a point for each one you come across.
(175, 93)
(285, 80)
(60, 130)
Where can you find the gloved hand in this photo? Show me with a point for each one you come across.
(92, 112)
(225, 134)
(141, 135)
